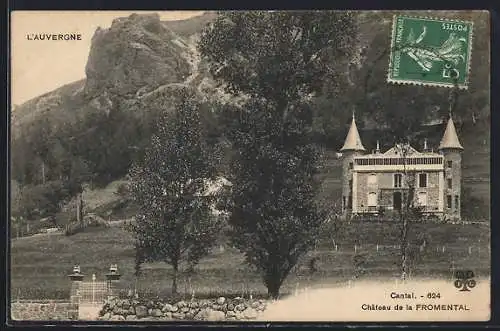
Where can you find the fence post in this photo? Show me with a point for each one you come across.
(93, 288)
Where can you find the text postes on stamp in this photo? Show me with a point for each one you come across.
(430, 51)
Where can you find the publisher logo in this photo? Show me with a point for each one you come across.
(464, 280)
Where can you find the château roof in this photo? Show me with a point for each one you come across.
(396, 150)
(353, 141)
(450, 138)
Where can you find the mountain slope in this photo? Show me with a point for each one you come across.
(137, 66)
(137, 55)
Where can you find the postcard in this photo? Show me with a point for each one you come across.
(250, 166)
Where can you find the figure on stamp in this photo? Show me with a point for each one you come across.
(450, 50)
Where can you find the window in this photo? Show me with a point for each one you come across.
(448, 201)
(343, 203)
(372, 179)
(349, 202)
(350, 185)
(449, 164)
(350, 165)
(422, 198)
(448, 181)
(372, 199)
(422, 180)
(457, 203)
(398, 178)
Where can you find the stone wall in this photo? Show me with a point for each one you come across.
(385, 181)
(219, 309)
(44, 311)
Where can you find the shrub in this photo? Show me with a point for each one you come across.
(90, 220)
(359, 261)
(37, 201)
(73, 228)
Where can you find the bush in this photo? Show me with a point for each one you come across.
(90, 220)
(38, 201)
(73, 228)
(473, 208)
(123, 191)
(359, 262)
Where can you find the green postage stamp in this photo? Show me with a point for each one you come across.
(430, 51)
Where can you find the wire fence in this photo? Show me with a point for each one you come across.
(465, 249)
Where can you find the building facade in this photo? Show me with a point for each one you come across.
(376, 182)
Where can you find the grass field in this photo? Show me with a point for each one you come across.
(40, 265)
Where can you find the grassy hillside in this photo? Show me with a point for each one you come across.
(40, 265)
(476, 176)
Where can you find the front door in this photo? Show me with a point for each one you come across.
(396, 201)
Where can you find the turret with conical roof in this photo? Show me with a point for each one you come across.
(353, 141)
(352, 147)
(451, 149)
(450, 138)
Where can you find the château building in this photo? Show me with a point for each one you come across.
(380, 181)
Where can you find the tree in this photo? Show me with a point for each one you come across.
(410, 212)
(277, 60)
(407, 206)
(174, 223)
(138, 260)
(37, 201)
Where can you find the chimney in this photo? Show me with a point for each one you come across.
(425, 145)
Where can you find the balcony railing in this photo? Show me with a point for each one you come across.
(377, 209)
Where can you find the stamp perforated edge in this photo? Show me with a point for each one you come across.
(464, 85)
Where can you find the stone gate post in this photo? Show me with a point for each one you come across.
(113, 279)
(76, 279)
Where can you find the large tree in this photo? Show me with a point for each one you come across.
(174, 223)
(277, 60)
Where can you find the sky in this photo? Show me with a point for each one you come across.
(41, 66)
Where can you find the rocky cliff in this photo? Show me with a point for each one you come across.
(135, 55)
(134, 62)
